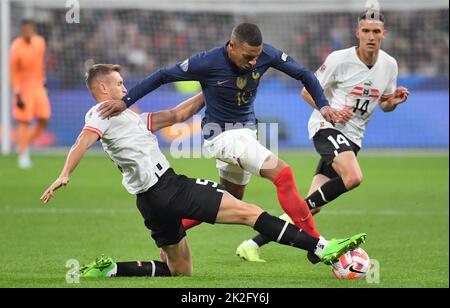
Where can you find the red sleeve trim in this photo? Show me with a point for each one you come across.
(95, 130)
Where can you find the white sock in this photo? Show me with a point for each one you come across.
(251, 243)
(321, 245)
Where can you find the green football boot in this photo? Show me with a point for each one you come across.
(249, 252)
(338, 247)
(103, 266)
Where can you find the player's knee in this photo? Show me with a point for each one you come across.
(272, 167)
(353, 181)
(252, 212)
(282, 164)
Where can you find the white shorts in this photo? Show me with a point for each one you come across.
(238, 154)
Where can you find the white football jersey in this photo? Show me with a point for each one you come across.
(129, 142)
(347, 81)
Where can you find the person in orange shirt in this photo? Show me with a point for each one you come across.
(30, 97)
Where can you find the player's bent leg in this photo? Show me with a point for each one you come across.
(317, 182)
(252, 247)
(179, 258)
(233, 177)
(326, 251)
(347, 166)
(234, 211)
(328, 184)
(290, 200)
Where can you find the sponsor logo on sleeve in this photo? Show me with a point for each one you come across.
(185, 65)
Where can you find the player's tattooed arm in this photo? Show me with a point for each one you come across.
(390, 102)
(330, 114)
(179, 114)
(85, 140)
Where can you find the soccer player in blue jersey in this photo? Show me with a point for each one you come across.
(361, 78)
(230, 76)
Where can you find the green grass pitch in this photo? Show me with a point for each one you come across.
(402, 205)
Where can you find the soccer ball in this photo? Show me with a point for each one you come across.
(354, 264)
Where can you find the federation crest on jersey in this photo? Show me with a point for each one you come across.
(241, 82)
(365, 92)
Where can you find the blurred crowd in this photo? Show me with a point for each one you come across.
(418, 40)
(143, 41)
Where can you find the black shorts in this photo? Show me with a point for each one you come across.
(173, 198)
(329, 143)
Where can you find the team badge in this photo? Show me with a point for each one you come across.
(241, 82)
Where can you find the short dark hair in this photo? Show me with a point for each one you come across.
(98, 70)
(371, 15)
(248, 33)
(27, 22)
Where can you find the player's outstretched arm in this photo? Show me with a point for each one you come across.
(193, 68)
(85, 140)
(180, 113)
(308, 98)
(341, 116)
(389, 102)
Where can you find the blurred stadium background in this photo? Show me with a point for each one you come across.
(146, 35)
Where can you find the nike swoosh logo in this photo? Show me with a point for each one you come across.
(351, 269)
(222, 82)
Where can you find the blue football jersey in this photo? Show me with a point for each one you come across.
(228, 91)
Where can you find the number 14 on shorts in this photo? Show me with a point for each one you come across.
(340, 139)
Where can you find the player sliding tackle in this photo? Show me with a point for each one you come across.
(230, 76)
(163, 197)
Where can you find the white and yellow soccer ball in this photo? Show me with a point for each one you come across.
(354, 264)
